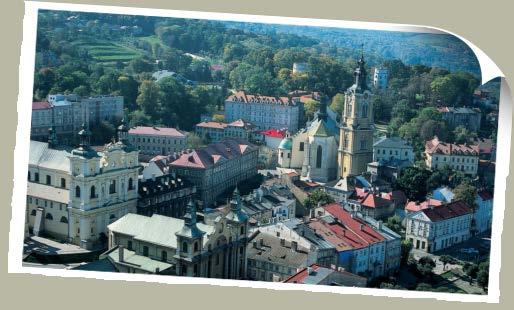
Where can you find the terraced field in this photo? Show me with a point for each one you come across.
(105, 51)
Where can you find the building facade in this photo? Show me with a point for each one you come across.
(356, 133)
(157, 140)
(462, 116)
(263, 111)
(380, 78)
(74, 194)
(391, 150)
(185, 246)
(217, 131)
(437, 228)
(217, 167)
(460, 157)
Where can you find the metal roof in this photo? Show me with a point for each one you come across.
(42, 156)
(47, 192)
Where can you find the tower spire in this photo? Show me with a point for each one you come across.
(360, 84)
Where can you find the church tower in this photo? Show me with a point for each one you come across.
(356, 132)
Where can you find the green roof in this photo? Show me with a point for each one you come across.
(318, 129)
(286, 144)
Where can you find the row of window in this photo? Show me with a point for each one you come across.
(458, 159)
(112, 189)
(48, 179)
(152, 140)
(383, 151)
(50, 217)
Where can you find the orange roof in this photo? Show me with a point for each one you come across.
(435, 146)
(242, 96)
(413, 206)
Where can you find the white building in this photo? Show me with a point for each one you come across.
(104, 108)
(380, 78)
(461, 157)
(312, 149)
(264, 111)
(483, 215)
(217, 131)
(157, 140)
(74, 194)
(391, 150)
(437, 228)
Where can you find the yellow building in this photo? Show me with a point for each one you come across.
(356, 133)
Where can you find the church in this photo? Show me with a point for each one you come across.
(313, 150)
(356, 128)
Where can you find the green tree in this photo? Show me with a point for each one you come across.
(467, 193)
(337, 104)
(446, 259)
(395, 224)
(483, 279)
(148, 98)
(128, 88)
(311, 106)
(318, 196)
(462, 135)
(194, 141)
(413, 182)
(406, 246)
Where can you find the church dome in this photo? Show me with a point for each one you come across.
(286, 144)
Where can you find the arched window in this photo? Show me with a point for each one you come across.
(49, 216)
(64, 219)
(77, 191)
(242, 230)
(130, 184)
(184, 247)
(364, 110)
(93, 192)
(319, 156)
(33, 212)
(195, 247)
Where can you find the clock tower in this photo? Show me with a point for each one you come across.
(356, 131)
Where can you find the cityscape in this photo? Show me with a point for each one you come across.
(260, 152)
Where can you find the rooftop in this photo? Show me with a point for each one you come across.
(266, 247)
(242, 96)
(392, 142)
(41, 105)
(447, 211)
(158, 131)
(435, 146)
(47, 192)
(315, 274)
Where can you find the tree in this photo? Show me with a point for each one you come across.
(413, 182)
(406, 246)
(471, 270)
(318, 196)
(466, 193)
(128, 87)
(103, 132)
(395, 224)
(337, 104)
(218, 118)
(311, 106)
(193, 140)
(403, 111)
(483, 279)
(148, 98)
(139, 65)
(446, 259)
(462, 135)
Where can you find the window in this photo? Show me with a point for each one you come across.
(112, 187)
(363, 144)
(64, 219)
(164, 256)
(129, 245)
(145, 250)
(93, 192)
(49, 216)
(319, 156)
(217, 259)
(36, 177)
(63, 182)
(242, 230)
(130, 184)
(29, 176)
(301, 146)
(77, 191)
(184, 247)
(48, 180)
(195, 248)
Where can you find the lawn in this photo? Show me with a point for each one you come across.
(107, 51)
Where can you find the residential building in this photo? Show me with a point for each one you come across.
(73, 194)
(376, 206)
(437, 228)
(300, 67)
(393, 150)
(361, 249)
(217, 167)
(273, 137)
(273, 259)
(165, 195)
(313, 150)
(461, 157)
(393, 251)
(462, 116)
(270, 204)
(157, 140)
(319, 275)
(265, 112)
(356, 132)
(183, 247)
(483, 214)
(415, 206)
(217, 131)
(380, 78)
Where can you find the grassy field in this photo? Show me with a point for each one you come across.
(107, 51)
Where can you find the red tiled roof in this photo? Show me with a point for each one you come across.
(364, 234)
(373, 201)
(435, 146)
(41, 105)
(412, 206)
(212, 153)
(275, 133)
(242, 96)
(447, 211)
(486, 195)
(324, 231)
(300, 276)
(158, 131)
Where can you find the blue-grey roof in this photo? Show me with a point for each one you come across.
(42, 156)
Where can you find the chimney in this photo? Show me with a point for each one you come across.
(153, 176)
(282, 241)
(294, 246)
(278, 233)
(380, 225)
(157, 270)
(120, 253)
(261, 242)
(310, 271)
(362, 227)
(255, 244)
